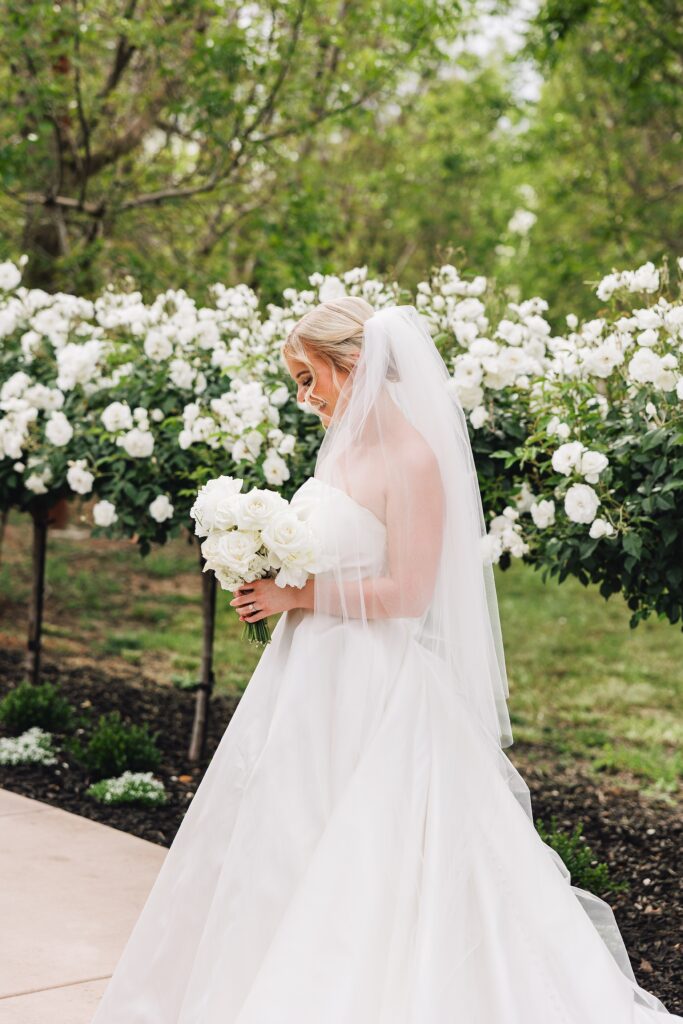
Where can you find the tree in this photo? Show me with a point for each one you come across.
(604, 144)
(115, 108)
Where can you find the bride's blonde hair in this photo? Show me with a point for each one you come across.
(332, 330)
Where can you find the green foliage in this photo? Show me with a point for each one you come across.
(41, 705)
(157, 129)
(114, 747)
(645, 560)
(603, 145)
(586, 871)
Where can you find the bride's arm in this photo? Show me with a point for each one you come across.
(414, 520)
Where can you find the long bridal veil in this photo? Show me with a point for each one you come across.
(397, 443)
(398, 447)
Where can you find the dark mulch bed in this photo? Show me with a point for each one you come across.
(639, 839)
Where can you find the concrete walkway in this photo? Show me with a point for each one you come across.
(70, 893)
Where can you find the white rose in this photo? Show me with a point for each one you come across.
(117, 416)
(79, 478)
(253, 440)
(157, 415)
(181, 373)
(35, 484)
(235, 549)
(592, 465)
(608, 286)
(275, 469)
(286, 445)
(543, 513)
(581, 503)
(469, 396)
(645, 278)
(58, 430)
(648, 338)
(104, 513)
(225, 513)
(280, 395)
(257, 508)
(10, 276)
(645, 366)
(161, 508)
(208, 497)
(332, 288)
(139, 444)
(525, 498)
(157, 346)
(479, 416)
(567, 457)
(491, 548)
(601, 528)
(291, 539)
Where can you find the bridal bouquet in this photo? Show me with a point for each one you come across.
(249, 536)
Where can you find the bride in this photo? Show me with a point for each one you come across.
(360, 849)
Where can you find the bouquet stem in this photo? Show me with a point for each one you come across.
(257, 632)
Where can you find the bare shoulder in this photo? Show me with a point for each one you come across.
(414, 455)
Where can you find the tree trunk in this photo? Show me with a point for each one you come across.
(45, 241)
(40, 515)
(205, 687)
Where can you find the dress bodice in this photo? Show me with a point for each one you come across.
(349, 534)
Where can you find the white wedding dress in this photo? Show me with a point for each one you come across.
(358, 852)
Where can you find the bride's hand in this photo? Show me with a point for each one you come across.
(267, 598)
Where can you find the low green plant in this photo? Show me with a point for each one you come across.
(114, 747)
(186, 681)
(587, 872)
(129, 788)
(41, 705)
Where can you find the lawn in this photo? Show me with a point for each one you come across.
(582, 683)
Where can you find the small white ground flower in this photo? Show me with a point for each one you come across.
(33, 747)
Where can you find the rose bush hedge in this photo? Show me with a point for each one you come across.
(577, 434)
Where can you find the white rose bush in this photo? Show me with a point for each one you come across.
(52, 357)
(578, 436)
(134, 406)
(252, 535)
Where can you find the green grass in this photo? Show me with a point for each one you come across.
(582, 683)
(587, 685)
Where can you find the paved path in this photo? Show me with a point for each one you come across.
(70, 892)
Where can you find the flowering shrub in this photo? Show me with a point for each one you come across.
(591, 445)
(33, 747)
(135, 404)
(51, 363)
(577, 435)
(129, 788)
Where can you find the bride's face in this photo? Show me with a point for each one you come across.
(324, 393)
